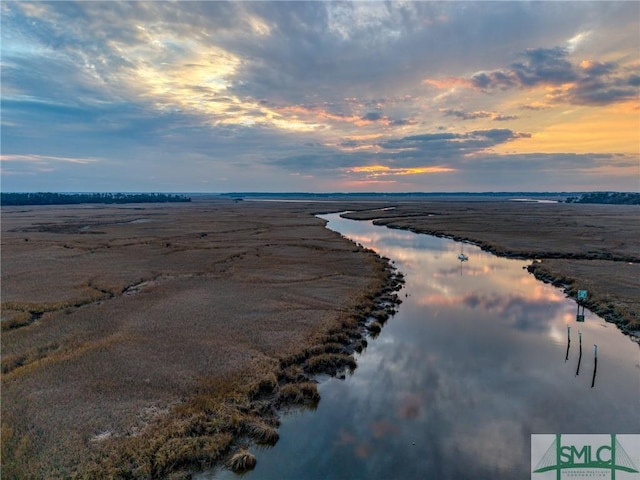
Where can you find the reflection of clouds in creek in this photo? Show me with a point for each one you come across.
(485, 286)
(415, 398)
(467, 270)
(484, 442)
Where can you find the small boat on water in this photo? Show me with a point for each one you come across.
(462, 257)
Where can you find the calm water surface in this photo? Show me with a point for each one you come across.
(474, 362)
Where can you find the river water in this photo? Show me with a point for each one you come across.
(475, 361)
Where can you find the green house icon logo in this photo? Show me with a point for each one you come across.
(580, 459)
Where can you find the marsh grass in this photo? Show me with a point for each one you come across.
(330, 363)
(203, 430)
(264, 387)
(197, 434)
(292, 374)
(186, 452)
(12, 362)
(12, 319)
(24, 313)
(242, 461)
(340, 338)
(381, 316)
(209, 299)
(326, 348)
(611, 302)
(260, 432)
(360, 345)
(298, 394)
(375, 328)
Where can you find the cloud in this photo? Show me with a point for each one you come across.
(447, 144)
(44, 159)
(375, 171)
(597, 68)
(503, 118)
(547, 66)
(427, 153)
(461, 114)
(404, 122)
(451, 112)
(588, 82)
(542, 66)
(397, 158)
(601, 84)
(535, 106)
(372, 116)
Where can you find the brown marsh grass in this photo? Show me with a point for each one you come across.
(261, 432)
(242, 461)
(330, 363)
(298, 394)
(134, 350)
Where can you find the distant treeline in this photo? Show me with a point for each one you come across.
(390, 194)
(48, 198)
(617, 198)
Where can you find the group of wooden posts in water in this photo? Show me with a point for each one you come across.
(581, 297)
(595, 355)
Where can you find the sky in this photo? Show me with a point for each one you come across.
(320, 96)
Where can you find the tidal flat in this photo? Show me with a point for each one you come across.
(146, 341)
